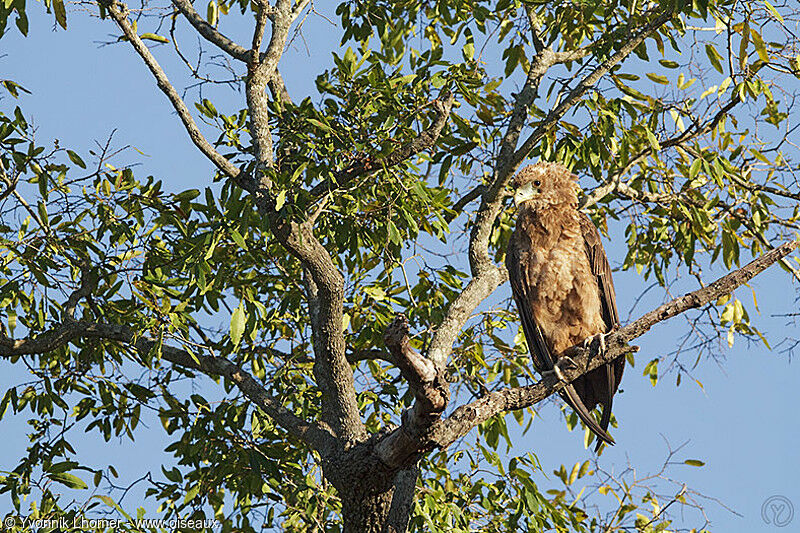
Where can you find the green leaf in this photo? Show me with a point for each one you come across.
(153, 37)
(111, 503)
(75, 158)
(191, 494)
(238, 320)
(238, 239)
(651, 138)
(64, 466)
(714, 57)
(187, 195)
(658, 78)
(280, 200)
(394, 233)
(651, 370)
(320, 125)
(60, 13)
(212, 12)
(774, 11)
(694, 462)
(68, 480)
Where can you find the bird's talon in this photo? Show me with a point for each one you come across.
(563, 364)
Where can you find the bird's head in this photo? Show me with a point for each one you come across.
(545, 184)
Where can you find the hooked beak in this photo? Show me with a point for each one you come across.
(525, 193)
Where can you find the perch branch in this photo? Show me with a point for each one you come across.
(403, 445)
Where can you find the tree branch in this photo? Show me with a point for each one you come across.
(403, 445)
(332, 371)
(119, 12)
(636, 38)
(472, 195)
(209, 32)
(486, 275)
(614, 182)
(316, 436)
(431, 393)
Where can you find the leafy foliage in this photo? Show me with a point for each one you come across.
(694, 181)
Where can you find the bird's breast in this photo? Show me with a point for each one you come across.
(565, 297)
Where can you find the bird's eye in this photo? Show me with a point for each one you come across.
(537, 183)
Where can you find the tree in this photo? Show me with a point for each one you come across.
(302, 240)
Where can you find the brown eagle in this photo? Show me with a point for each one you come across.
(561, 282)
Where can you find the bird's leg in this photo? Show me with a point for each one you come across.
(562, 365)
(601, 338)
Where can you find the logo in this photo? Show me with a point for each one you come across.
(777, 511)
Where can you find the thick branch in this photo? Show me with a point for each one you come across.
(426, 381)
(419, 372)
(340, 410)
(316, 436)
(260, 70)
(404, 444)
(370, 355)
(425, 140)
(486, 275)
(332, 371)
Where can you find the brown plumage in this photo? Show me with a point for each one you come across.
(561, 282)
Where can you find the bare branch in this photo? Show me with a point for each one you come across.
(472, 195)
(426, 381)
(119, 12)
(85, 287)
(419, 372)
(370, 355)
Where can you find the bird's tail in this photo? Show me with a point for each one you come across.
(570, 395)
(611, 388)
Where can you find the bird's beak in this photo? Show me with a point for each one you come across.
(525, 193)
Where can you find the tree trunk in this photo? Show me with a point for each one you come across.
(368, 509)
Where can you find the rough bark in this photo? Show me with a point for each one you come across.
(376, 475)
(412, 438)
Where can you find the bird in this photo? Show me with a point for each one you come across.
(561, 283)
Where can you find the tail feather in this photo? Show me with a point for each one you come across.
(610, 389)
(571, 396)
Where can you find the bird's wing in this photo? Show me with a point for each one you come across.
(602, 271)
(540, 353)
(598, 262)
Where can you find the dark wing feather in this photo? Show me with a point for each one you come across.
(602, 271)
(598, 261)
(540, 353)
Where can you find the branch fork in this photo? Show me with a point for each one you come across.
(424, 378)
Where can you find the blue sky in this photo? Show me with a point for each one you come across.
(743, 423)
